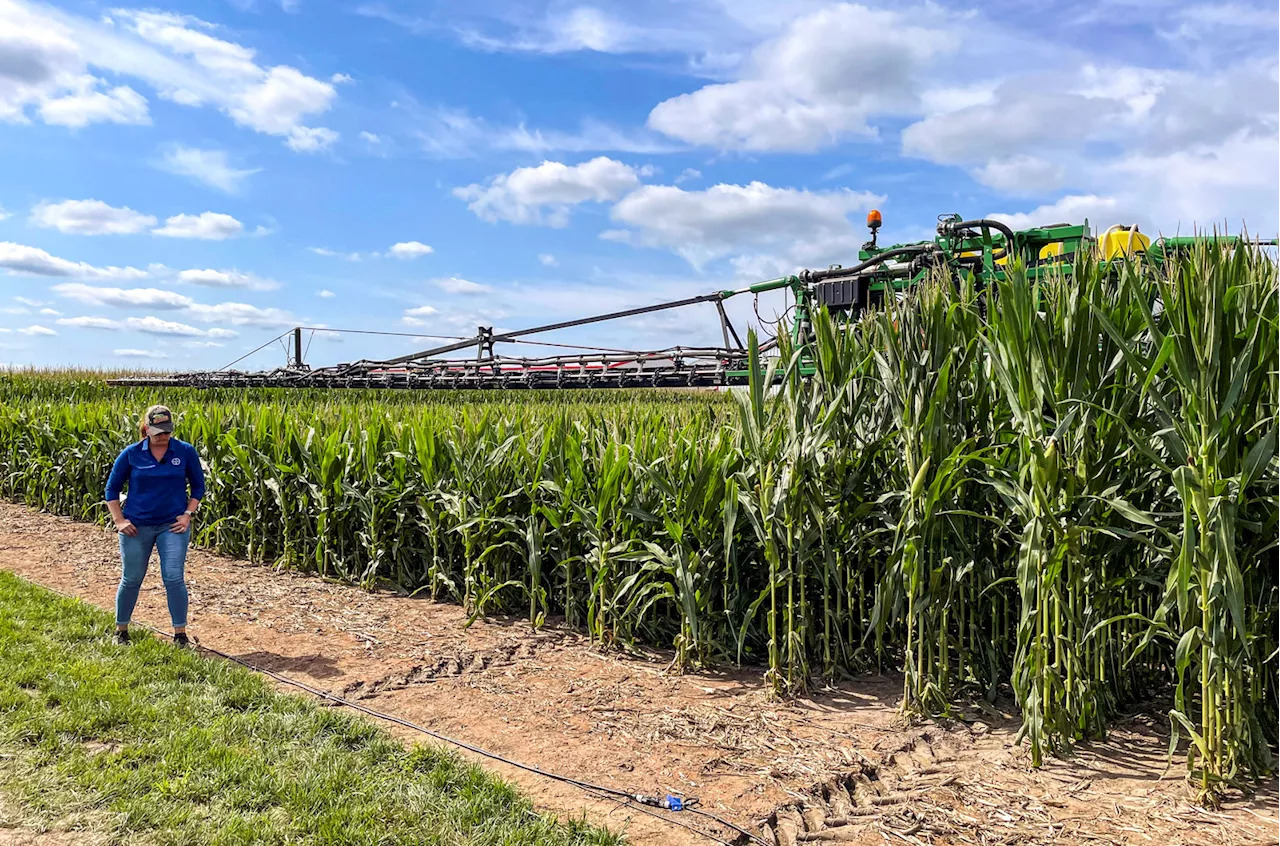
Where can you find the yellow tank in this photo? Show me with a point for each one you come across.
(976, 253)
(1049, 251)
(1122, 241)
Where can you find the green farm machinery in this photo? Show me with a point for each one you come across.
(983, 248)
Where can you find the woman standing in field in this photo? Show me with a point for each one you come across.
(157, 513)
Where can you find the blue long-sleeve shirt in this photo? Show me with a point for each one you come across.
(157, 489)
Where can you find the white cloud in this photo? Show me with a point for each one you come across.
(42, 65)
(805, 227)
(1071, 209)
(1169, 150)
(1021, 174)
(410, 250)
(454, 285)
(453, 133)
(710, 35)
(19, 258)
(50, 312)
(211, 167)
(88, 105)
(236, 314)
(89, 217)
(274, 100)
(178, 56)
(136, 353)
(325, 251)
(1233, 183)
(4, 214)
(325, 293)
(37, 330)
(304, 139)
(370, 137)
(91, 323)
(547, 260)
(156, 326)
(241, 314)
(1020, 118)
(544, 194)
(30, 302)
(278, 102)
(413, 316)
(817, 83)
(122, 297)
(227, 279)
(208, 226)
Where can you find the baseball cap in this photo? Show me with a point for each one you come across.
(159, 419)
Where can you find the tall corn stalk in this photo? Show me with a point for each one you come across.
(1206, 363)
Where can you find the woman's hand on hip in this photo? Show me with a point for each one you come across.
(181, 524)
(124, 527)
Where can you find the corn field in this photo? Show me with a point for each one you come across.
(1063, 490)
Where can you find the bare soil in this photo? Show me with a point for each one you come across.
(839, 766)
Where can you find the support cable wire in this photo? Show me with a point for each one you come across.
(600, 791)
(252, 351)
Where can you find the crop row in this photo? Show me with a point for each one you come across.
(1064, 490)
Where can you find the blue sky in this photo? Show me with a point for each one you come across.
(182, 182)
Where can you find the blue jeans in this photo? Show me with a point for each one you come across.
(135, 553)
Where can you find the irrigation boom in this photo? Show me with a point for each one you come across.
(981, 247)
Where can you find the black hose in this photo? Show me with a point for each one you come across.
(832, 272)
(948, 227)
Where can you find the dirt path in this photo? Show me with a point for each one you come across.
(838, 767)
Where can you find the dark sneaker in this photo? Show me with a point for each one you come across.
(181, 641)
(122, 636)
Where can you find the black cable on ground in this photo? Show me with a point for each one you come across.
(601, 791)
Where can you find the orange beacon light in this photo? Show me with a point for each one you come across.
(873, 223)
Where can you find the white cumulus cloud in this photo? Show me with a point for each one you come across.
(122, 297)
(37, 330)
(544, 194)
(182, 58)
(800, 227)
(89, 217)
(33, 261)
(89, 105)
(817, 83)
(241, 314)
(410, 249)
(208, 226)
(43, 70)
(413, 316)
(156, 326)
(227, 279)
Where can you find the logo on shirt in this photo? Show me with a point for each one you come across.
(175, 461)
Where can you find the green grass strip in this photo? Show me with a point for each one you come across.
(147, 743)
